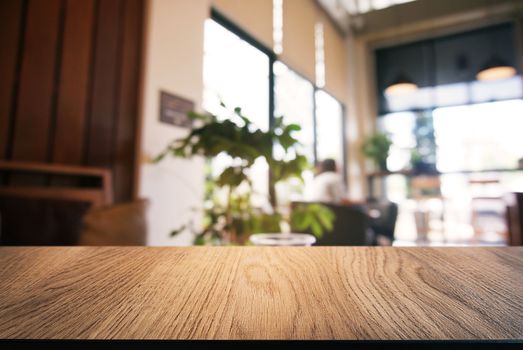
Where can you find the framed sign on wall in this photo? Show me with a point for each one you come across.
(173, 110)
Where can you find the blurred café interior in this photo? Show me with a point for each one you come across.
(218, 122)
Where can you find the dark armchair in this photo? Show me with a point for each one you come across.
(383, 215)
(351, 226)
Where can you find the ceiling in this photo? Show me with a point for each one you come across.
(356, 7)
(363, 16)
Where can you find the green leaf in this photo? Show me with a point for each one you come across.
(278, 122)
(231, 177)
(315, 218)
(287, 141)
(160, 156)
(293, 127)
(178, 231)
(316, 228)
(325, 218)
(196, 116)
(199, 240)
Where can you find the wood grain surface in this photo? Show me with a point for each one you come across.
(261, 293)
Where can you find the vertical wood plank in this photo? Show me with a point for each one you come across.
(128, 101)
(69, 77)
(35, 98)
(10, 35)
(73, 85)
(100, 151)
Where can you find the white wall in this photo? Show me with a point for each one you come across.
(360, 114)
(173, 62)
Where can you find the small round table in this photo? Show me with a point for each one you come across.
(282, 239)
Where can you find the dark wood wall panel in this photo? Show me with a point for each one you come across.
(125, 137)
(105, 84)
(37, 79)
(69, 82)
(74, 82)
(11, 17)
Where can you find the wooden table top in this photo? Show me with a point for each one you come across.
(261, 293)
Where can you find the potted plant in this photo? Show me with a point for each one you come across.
(420, 166)
(376, 147)
(229, 215)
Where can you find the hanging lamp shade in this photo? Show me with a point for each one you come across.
(402, 85)
(495, 69)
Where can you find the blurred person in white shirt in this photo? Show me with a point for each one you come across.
(328, 185)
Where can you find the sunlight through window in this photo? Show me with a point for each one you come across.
(237, 73)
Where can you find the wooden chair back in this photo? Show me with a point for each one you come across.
(44, 204)
(96, 196)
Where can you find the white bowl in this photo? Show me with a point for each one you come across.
(282, 239)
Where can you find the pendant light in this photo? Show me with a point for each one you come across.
(495, 69)
(402, 85)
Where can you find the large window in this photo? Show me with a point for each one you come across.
(321, 118)
(294, 100)
(237, 72)
(483, 136)
(329, 127)
(453, 120)
(474, 137)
